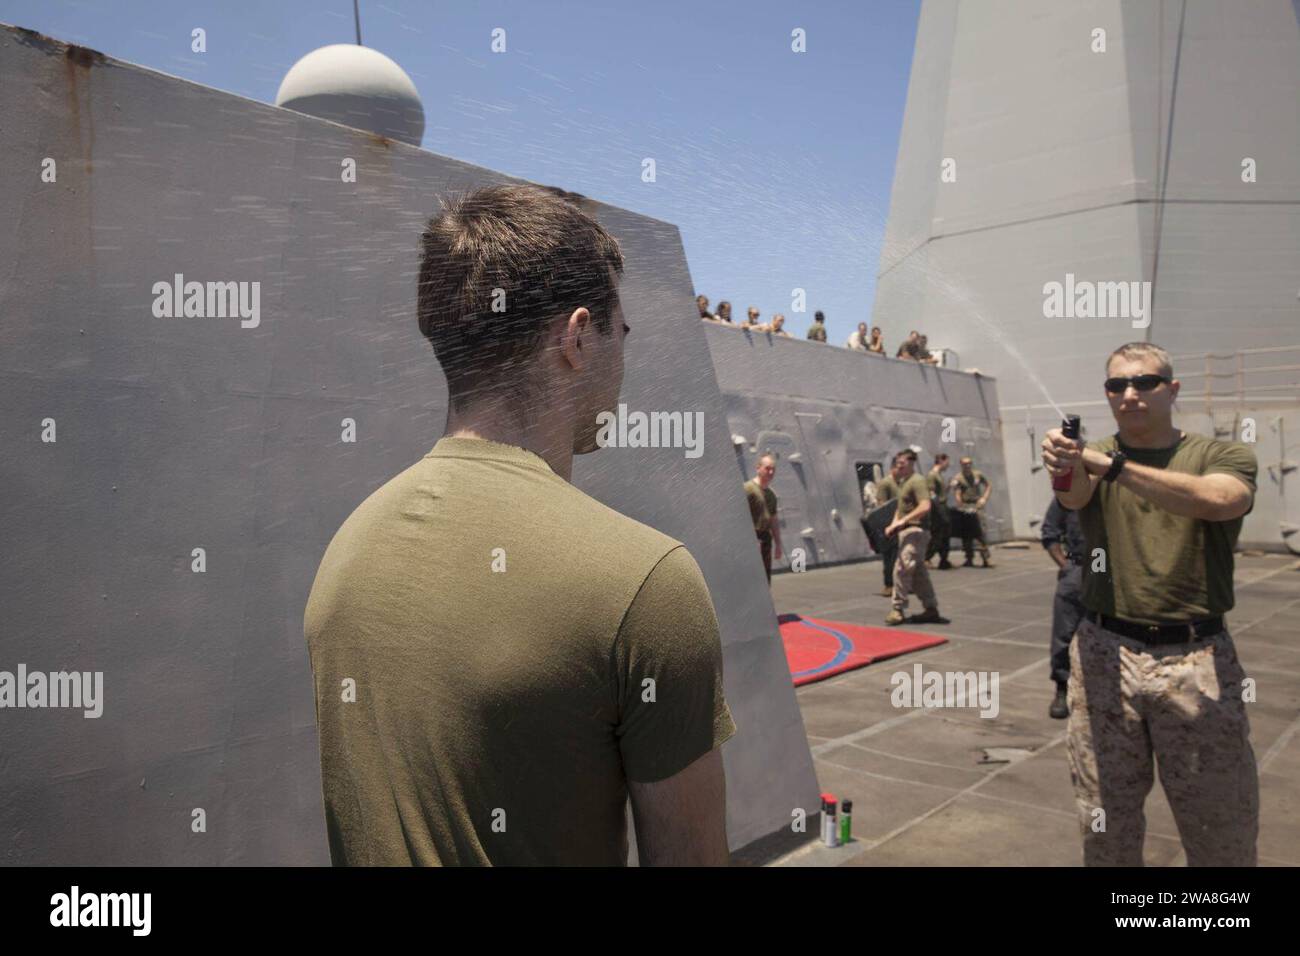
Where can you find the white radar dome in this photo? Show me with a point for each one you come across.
(356, 86)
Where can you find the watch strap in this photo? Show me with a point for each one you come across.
(1117, 462)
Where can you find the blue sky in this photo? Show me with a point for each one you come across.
(775, 165)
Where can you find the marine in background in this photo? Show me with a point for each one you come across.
(1063, 540)
(940, 520)
(817, 331)
(972, 491)
(911, 528)
(887, 491)
(762, 509)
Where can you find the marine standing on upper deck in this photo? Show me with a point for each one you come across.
(817, 331)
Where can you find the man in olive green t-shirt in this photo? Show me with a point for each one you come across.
(912, 525)
(1154, 675)
(972, 490)
(940, 523)
(762, 509)
(501, 661)
(817, 331)
(887, 491)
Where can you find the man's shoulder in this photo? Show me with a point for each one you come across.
(590, 518)
(1214, 456)
(1215, 447)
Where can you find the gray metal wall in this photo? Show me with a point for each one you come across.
(831, 407)
(1116, 166)
(175, 434)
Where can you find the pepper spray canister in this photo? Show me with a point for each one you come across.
(846, 822)
(1070, 427)
(830, 833)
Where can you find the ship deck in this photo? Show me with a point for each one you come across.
(922, 793)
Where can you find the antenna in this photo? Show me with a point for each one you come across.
(356, 16)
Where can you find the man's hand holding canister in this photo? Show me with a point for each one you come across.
(1062, 455)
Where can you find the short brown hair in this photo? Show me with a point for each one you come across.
(533, 243)
(1143, 350)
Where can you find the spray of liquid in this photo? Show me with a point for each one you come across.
(937, 280)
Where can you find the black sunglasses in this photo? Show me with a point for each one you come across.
(1143, 383)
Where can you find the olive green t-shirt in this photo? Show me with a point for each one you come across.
(886, 490)
(1161, 566)
(762, 506)
(934, 481)
(970, 491)
(910, 495)
(495, 656)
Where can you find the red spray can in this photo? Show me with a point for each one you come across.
(1070, 429)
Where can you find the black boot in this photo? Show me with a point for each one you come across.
(1060, 708)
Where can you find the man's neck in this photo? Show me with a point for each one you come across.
(1160, 436)
(536, 433)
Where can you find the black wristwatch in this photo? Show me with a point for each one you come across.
(1117, 460)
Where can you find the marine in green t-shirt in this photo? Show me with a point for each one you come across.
(501, 662)
(934, 481)
(1160, 512)
(913, 491)
(762, 506)
(762, 509)
(972, 490)
(886, 490)
(817, 331)
(970, 487)
(1160, 566)
(481, 633)
(940, 521)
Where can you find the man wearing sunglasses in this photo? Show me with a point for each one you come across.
(1154, 675)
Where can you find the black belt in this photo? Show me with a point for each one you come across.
(1159, 633)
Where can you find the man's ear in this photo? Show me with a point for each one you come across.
(577, 326)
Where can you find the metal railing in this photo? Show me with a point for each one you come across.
(1246, 379)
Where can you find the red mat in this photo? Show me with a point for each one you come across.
(817, 649)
